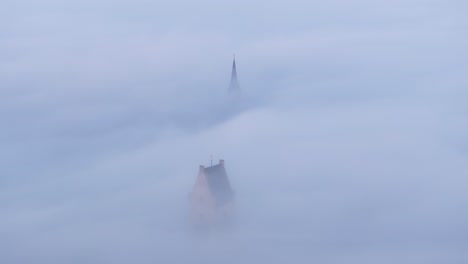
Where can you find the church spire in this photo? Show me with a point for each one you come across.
(234, 86)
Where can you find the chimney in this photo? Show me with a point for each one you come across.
(221, 162)
(202, 168)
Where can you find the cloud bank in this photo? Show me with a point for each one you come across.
(351, 146)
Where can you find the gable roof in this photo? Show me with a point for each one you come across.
(218, 183)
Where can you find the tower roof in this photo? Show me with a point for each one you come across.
(218, 183)
(234, 86)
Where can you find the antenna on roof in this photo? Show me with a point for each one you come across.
(211, 158)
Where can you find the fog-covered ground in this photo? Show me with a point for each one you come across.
(350, 146)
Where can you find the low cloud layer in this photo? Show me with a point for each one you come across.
(350, 145)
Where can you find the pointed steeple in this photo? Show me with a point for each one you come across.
(234, 86)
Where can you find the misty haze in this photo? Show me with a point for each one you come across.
(129, 134)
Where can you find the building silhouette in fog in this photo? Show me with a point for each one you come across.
(234, 88)
(212, 198)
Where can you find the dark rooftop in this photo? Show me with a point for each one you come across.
(218, 183)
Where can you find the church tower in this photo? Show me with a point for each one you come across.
(234, 85)
(212, 198)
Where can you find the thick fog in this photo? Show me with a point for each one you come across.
(349, 144)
